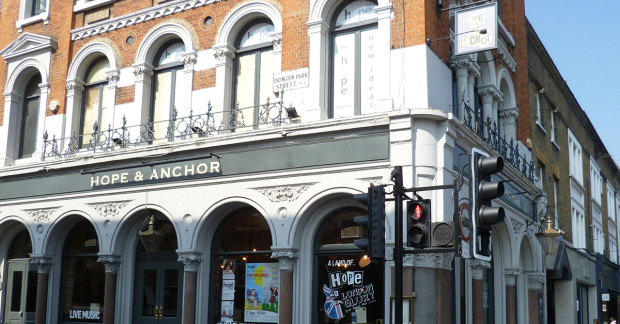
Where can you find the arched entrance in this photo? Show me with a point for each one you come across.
(21, 281)
(245, 278)
(158, 283)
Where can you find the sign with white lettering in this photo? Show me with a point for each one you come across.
(605, 297)
(290, 80)
(476, 29)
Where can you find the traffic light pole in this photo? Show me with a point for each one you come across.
(399, 192)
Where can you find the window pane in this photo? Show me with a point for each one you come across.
(171, 292)
(105, 123)
(266, 77)
(84, 282)
(178, 92)
(29, 133)
(355, 12)
(368, 66)
(257, 34)
(161, 105)
(149, 296)
(31, 292)
(344, 75)
(91, 112)
(16, 296)
(245, 87)
(97, 71)
(172, 54)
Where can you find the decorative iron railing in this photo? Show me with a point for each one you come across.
(178, 128)
(488, 131)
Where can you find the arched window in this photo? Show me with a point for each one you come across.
(353, 62)
(95, 103)
(245, 280)
(253, 71)
(167, 86)
(348, 286)
(83, 277)
(29, 118)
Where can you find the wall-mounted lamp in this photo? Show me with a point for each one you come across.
(549, 237)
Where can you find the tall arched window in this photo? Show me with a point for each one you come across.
(167, 85)
(83, 277)
(348, 285)
(95, 100)
(253, 71)
(29, 118)
(245, 280)
(353, 62)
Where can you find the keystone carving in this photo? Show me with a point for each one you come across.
(284, 194)
(41, 215)
(109, 209)
(375, 181)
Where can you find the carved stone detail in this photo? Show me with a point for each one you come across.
(509, 113)
(223, 54)
(43, 264)
(112, 77)
(74, 87)
(511, 276)
(109, 209)
(41, 215)
(277, 43)
(283, 194)
(516, 226)
(111, 264)
(286, 259)
(535, 281)
(190, 262)
(490, 94)
(433, 260)
(478, 267)
(188, 60)
(142, 72)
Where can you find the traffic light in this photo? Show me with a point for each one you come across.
(483, 192)
(374, 245)
(419, 223)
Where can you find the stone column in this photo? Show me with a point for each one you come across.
(43, 268)
(143, 73)
(287, 261)
(473, 74)
(10, 131)
(190, 265)
(316, 108)
(224, 56)
(535, 283)
(508, 120)
(74, 89)
(477, 274)
(461, 68)
(510, 275)
(111, 264)
(45, 88)
(497, 98)
(185, 106)
(433, 287)
(112, 76)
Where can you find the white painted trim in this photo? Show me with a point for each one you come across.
(86, 55)
(40, 43)
(243, 13)
(158, 36)
(82, 5)
(23, 20)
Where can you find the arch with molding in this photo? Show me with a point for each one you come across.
(505, 85)
(487, 68)
(87, 54)
(245, 12)
(324, 9)
(159, 35)
(10, 227)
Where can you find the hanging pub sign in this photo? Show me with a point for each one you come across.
(476, 29)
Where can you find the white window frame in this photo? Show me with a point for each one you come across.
(611, 210)
(575, 158)
(26, 19)
(596, 183)
(83, 5)
(579, 228)
(539, 110)
(555, 203)
(553, 126)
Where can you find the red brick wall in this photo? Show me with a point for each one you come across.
(204, 79)
(125, 94)
(295, 40)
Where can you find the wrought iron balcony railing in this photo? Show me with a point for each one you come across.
(154, 132)
(488, 131)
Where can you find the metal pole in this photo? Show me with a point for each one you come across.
(398, 249)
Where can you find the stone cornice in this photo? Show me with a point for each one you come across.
(26, 44)
(137, 17)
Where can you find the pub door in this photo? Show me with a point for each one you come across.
(21, 292)
(158, 292)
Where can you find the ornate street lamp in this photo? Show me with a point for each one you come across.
(549, 237)
(151, 237)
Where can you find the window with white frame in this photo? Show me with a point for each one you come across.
(598, 238)
(611, 210)
(574, 158)
(596, 183)
(554, 127)
(32, 11)
(540, 120)
(579, 228)
(613, 243)
(353, 61)
(555, 202)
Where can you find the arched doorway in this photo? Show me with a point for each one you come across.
(158, 283)
(348, 286)
(245, 279)
(21, 279)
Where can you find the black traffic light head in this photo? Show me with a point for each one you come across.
(374, 245)
(418, 223)
(484, 190)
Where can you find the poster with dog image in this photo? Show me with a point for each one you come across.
(262, 292)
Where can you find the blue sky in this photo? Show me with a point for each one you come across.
(583, 40)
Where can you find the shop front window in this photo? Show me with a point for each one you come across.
(83, 277)
(246, 280)
(348, 285)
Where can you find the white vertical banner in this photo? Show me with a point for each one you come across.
(369, 71)
(344, 75)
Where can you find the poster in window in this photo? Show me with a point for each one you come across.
(228, 290)
(227, 311)
(350, 290)
(229, 269)
(261, 292)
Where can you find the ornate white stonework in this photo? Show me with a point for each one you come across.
(534, 281)
(190, 262)
(112, 77)
(516, 226)
(283, 194)
(142, 72)
(223, 54)
(277, 43)
(433, 260)
(188, 60)
(73, 86)
(478, 267)
(511, 276)
(375, 181)
(286, 259)
(111, 264)
(509, 113)
(43, 265)
(138, 17)
(109, 209)
(503, 49)
(490, 93)
(41, 215)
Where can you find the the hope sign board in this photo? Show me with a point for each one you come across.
(470, 23)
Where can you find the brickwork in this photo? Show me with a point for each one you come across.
(204, 79)
(125, 94)
(295, 40)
